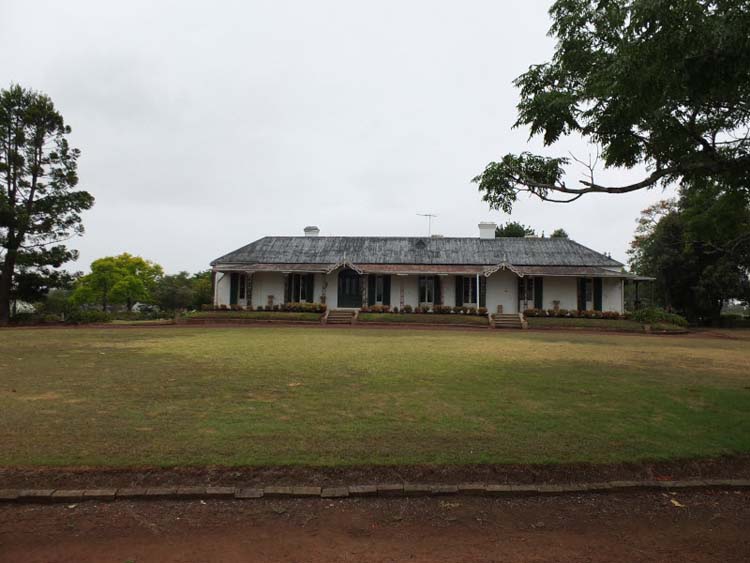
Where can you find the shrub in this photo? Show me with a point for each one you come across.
(562, 312)
(535, 313)
(86, 317)
(653, 315)
(395, 309)
(407, 309)
(482, 311)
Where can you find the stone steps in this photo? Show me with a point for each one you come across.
(508, 320)
(338, 317)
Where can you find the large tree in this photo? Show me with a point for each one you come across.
(39, 205)
(658, 84)
(698, 249)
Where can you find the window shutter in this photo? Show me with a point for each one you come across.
(538, 293)
(436, 299)
(234, 285)
(459, 291)
(288, 283)
(581, 294)
(482, 291)
(597, 294)
(387, 290)
(309, 287)
(371, 290)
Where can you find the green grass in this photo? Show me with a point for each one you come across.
(423, 318)
(254, 315)
(258, 396)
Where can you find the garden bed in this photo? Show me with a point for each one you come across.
(232, 316)
(622, 325)
(424, 318)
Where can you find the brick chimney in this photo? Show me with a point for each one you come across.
(312, 231)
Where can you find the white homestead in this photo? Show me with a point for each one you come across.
(505, 275)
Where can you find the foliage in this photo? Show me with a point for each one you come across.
(563, 313)
(514, 229)
(559, 233)
(122, 279)
(424, 318)
(698, 249)
(655, 315)
(175, 292)
(654, 84)
(40, 208)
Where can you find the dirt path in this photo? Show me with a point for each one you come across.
(700, 527)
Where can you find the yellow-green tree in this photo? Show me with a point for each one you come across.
(123, 279)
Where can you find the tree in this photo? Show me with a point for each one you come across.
(514, 229)
(698, 249)
(121, 279)
(202, 289)
(39, 207)
(663, 85)
(559, 233)
(174, 293)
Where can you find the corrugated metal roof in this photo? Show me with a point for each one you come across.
(415, 250)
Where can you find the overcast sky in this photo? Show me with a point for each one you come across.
(206, 125)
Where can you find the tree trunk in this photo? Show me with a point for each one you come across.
(6, 282)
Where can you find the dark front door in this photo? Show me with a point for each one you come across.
(350, 293)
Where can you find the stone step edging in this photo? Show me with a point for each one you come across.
(378, 490)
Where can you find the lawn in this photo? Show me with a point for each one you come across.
(623, 325)
(258, 396)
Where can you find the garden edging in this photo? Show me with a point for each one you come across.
(379, 490)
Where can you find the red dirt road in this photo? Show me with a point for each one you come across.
(697, 527)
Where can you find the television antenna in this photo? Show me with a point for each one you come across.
(429, 216)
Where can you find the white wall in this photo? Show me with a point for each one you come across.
(563, 290)
(265, 284)
(221, 291)
(502, 289)
(612, 295)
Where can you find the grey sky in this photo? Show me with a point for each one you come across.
(206, 125)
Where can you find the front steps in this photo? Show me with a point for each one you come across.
(340, 317)
(509, 320)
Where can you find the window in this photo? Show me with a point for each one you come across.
(379, 290)
(426, 289)
(299, 287)
(242, 286)
(470, 290)
(526, 289)
(588, 290)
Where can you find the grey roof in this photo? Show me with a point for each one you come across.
(416, 250)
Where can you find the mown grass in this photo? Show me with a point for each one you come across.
(258, 396)
(424, 318)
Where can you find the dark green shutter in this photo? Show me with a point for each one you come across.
(581, 294)
(288, 283)
(482, 291)
(371, 280)
(459, 291)
(234, 285)
(597, 294)
(436, 300)
(539, 293)
(387, 290)
(309, 287)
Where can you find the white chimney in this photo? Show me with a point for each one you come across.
(487, 229)
(312, 231)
